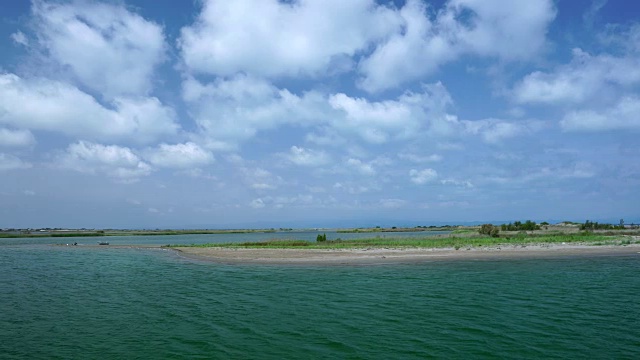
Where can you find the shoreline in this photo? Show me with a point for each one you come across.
(378, 256)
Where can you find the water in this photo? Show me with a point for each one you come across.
(61, 302)
(217, 238)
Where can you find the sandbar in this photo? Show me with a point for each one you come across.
(372, 256)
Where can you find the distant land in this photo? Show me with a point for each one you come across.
(309, 224)
(465, 227)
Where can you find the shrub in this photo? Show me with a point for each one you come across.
(321, 238)
(489, 229)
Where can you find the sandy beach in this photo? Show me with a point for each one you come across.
(372, 256)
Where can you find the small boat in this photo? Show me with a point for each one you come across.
(103, 243)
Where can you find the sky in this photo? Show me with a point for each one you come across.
(224, 114)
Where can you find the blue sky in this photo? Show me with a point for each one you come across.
(317, 113)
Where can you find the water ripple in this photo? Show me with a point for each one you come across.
(123, 303)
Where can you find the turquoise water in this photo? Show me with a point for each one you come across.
(61, 302)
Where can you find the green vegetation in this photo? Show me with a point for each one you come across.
(489, 229)
(321, 238)
(433, 242)
(589, 225)
(463, 231)
(519, 226)
(397, 229)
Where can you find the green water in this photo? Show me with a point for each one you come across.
(108, 303)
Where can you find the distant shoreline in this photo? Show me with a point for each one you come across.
(374, 256)
(44, 233)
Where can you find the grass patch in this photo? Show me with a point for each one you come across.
(464, 231)
(451, 241)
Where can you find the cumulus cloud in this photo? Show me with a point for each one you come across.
(579, 81)
(361, 167)
(274, 38)
(16, 138)
(120, 163)
(423, 176)
(375, 121)
(260, 179)
(12, 162)
(307, 157)
(59, 107)
(383, 121)
(503, 29)
(107, 48)
(509, 30)
(415, 50)
(185, 155)
(621, 116)
(231, 111)
(311, 38)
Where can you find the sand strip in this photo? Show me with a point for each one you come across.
(405, 255)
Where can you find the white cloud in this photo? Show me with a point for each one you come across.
(16, 138)
(179, 155)
(621, 116)
(510, 30)
(118, 162)
(416, 50)
(307, 157)
(585, 77)
(11, 162)
(29, 193)
(20, 38)
(392, 203)
(383, 121)
(494, 130)
(279, 202)
(327, 136)
(374, 122)
(423, 176)
(260, 179)
(589, 16)
(361, 167)
(420, 158)
(459, 183)
(232, 111)
(274, 38)
(505, 29)
(108, 48)
(198, 173)
(356, 188)
(257, 203)
(58, 107)
(621, 36)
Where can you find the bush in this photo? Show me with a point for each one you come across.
(489, 229)
(321, 238)
(519, 226)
